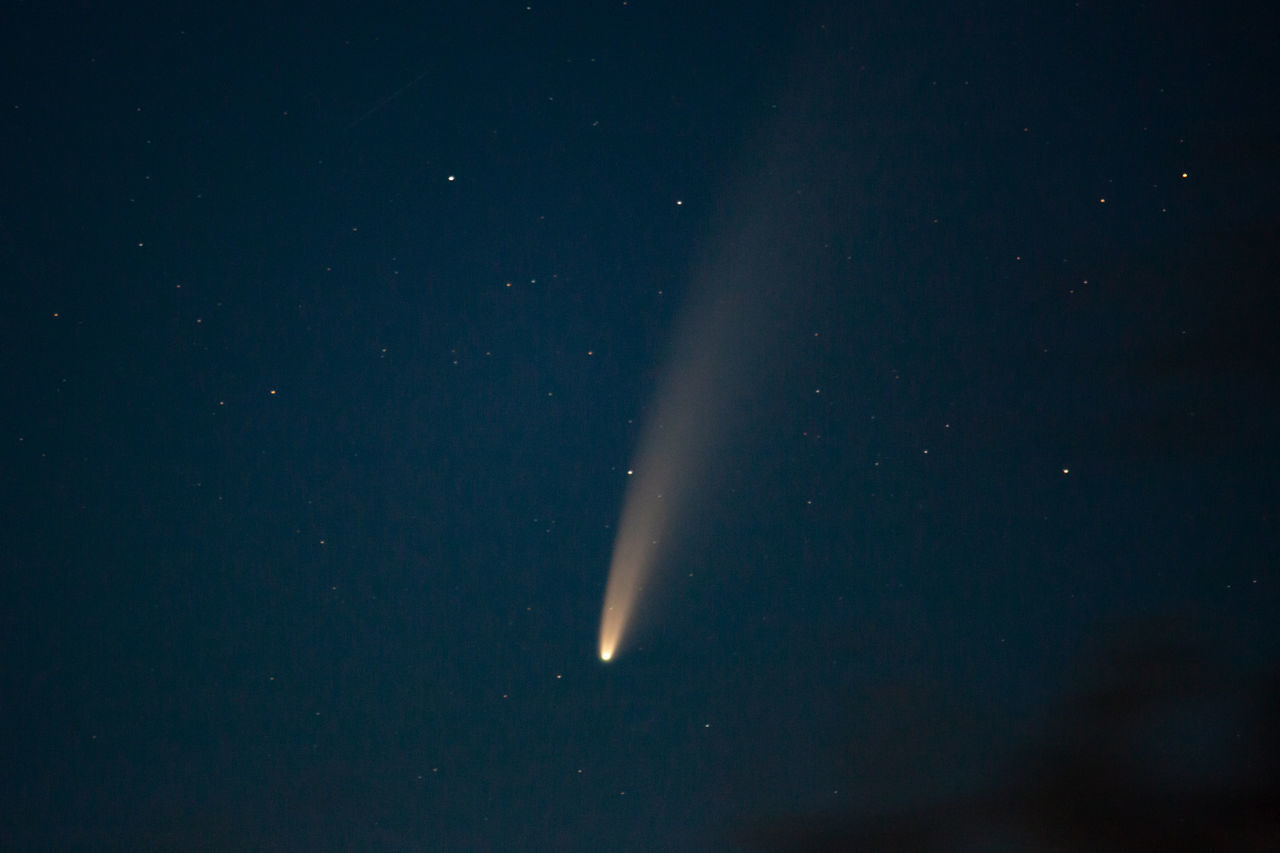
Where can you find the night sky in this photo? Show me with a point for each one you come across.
(330, 332)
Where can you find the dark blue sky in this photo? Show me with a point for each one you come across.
(330, 331)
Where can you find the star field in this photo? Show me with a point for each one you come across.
(331, 339)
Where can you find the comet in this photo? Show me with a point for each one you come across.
(740, 331)
(638, 546)
(643, 527)
(712, 359)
